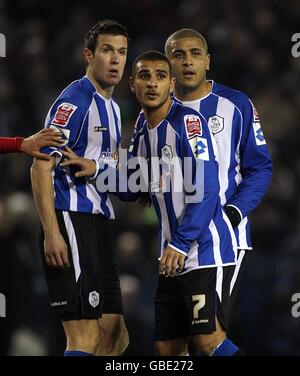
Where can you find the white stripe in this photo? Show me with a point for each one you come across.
(73, 192)
(216, 243)
(73, 244)
(219, 282)
(236, 270)
(225, 109)
(192, 262)
(242, 234)
(112, 126)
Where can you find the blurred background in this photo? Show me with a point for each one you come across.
(250, 44)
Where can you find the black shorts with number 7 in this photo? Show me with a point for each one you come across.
(188, 304)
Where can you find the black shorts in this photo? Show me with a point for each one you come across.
(91, 286)
(236, 278)
(187, 305)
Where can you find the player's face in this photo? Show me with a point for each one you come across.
(189, 62)
(152, 83)
(106, 64)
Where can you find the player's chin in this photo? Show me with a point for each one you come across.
(152, 103)
(113, 81)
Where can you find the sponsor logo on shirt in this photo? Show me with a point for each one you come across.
(258, 133)
(63, 114)
(100, 129)
(54, 304)
(64, 133)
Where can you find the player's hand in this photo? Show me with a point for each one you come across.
(87, 166)
(56, 251)
(46, 137)
(169, 262)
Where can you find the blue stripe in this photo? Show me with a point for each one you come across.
(227, 253)
(205, 249)
(208, 106)
(61, 187)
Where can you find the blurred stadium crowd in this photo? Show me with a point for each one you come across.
(250, 43)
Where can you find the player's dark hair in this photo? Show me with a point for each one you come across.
(150, 55)
(109, 27)
(184, 33)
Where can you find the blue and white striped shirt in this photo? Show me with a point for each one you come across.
(197, 228)
(245, 167)
(92, 129)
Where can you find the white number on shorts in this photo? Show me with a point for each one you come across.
(200, 299)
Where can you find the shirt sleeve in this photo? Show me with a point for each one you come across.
(65, 116)
(256, 164)
(10, 144)
(201, 202)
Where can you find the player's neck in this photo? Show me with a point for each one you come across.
(155, 116)
(188, 94)
(105, 92)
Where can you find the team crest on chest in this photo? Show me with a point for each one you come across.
(167, 154)
(216, 124)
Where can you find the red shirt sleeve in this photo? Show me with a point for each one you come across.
(10, 144)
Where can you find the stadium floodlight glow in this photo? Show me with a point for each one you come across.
(2, 305)
(296, 47)
(2, 45)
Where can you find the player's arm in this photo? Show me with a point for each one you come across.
(31, 145)
(256, 167)
(200, 204)
(56, 250)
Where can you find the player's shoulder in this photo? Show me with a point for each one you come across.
(79, 93)
(236, 97)
(186, 119)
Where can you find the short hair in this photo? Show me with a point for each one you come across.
(150, 55)
(185, 33)
(110, 27)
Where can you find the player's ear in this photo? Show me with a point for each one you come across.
(88, 55)
(131, 84)
(172, 84)
(207, 61)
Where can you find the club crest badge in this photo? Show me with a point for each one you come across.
(167, 154)
(94, 298)
(216, 124)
